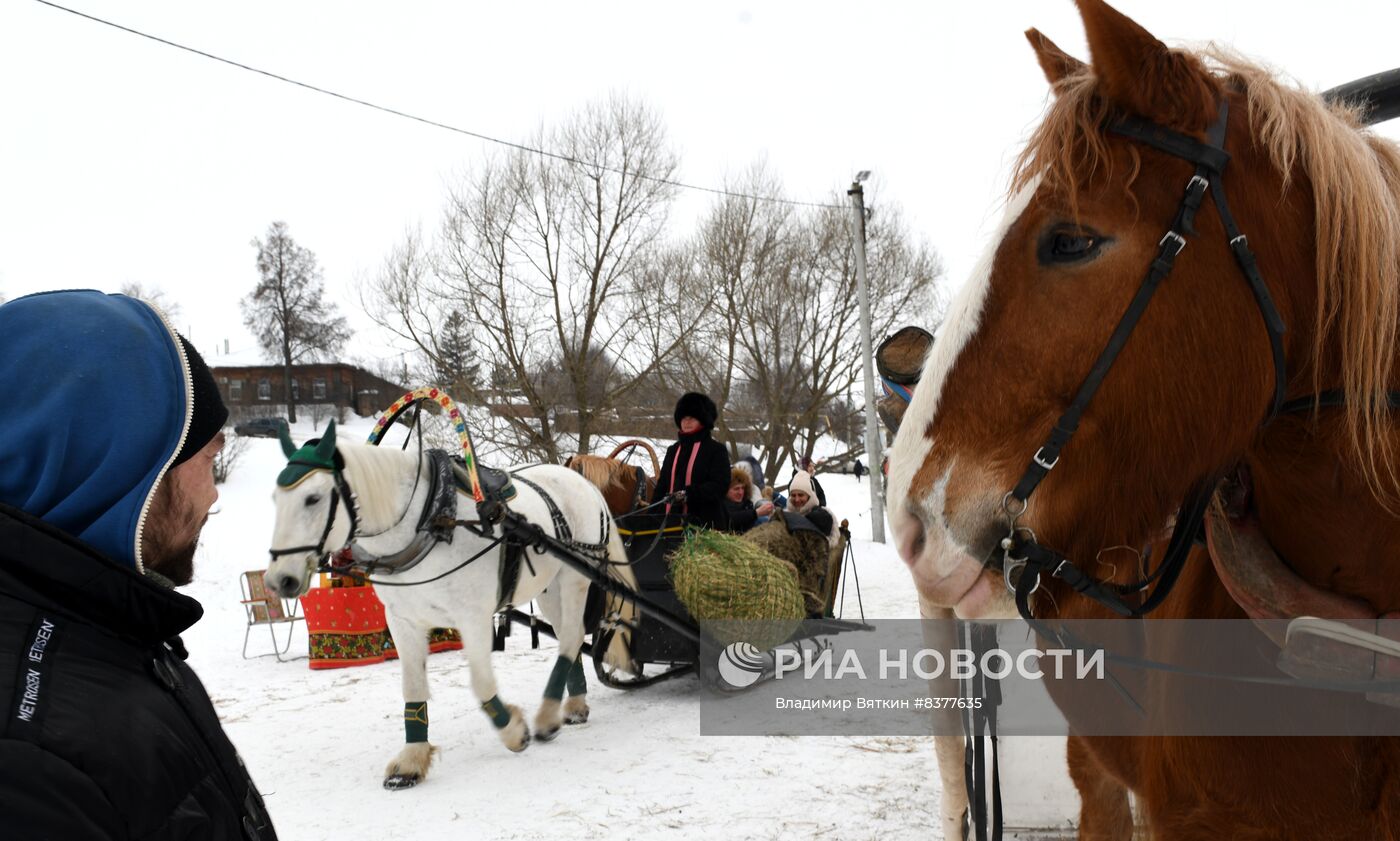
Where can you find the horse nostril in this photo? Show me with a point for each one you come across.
(289, 585)
(911, 537)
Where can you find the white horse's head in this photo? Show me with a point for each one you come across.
(314, 513)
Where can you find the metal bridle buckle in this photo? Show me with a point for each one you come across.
(1174, 237)
(1014, 569)
(1241, 239)
(1040, 460)
(1204, 182)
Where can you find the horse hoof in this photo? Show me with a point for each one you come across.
(395, 782)
(576, 717)
(522, 744)
(548, 735)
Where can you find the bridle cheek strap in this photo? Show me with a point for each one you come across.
(1210, 159)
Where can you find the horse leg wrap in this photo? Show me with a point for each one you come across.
(554, 690)
(578, 684)
(500, 716)
(415, 722)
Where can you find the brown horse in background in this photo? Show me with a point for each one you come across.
(1189, 396)
(625, 487)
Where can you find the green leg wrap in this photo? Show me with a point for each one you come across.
(578, 684)
(500, 716)
(415, 722)
(554, 690)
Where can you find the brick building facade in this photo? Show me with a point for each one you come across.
(245, 388)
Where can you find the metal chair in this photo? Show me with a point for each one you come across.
(264, 608)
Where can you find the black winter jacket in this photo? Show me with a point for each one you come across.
(742, 515)
(107, 733)
(703, 475)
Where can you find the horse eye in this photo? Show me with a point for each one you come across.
(1071, 245)
(312, 500)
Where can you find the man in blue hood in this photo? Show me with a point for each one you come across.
(112, 425)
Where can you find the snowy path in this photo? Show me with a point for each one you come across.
(317, 742)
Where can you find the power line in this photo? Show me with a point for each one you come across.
(434, 123)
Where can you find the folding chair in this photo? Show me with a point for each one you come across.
(264, 608)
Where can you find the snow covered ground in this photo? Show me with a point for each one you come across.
(317, 741)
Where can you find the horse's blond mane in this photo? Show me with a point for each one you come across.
(374, 474)
(1355, 180)
(604, 473)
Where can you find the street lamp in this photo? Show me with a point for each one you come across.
(872, 432)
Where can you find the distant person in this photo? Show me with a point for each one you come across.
(696, 466)
(107, 734)
(859, 469)
(744, 513)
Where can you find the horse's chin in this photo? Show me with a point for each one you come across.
(986, 600)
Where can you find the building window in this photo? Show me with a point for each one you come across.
(264, 389)
(296, 390)
(318, 388)
(235, 390)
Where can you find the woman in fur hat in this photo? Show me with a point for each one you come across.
(743, 514)
(697, 466)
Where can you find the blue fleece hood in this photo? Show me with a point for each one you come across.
(94, 403)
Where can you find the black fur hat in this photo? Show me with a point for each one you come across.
(693, 404)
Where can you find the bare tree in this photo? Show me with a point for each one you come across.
(153, 295)
(287, 310)
(228, 457)
(545, 259)
(782, 347)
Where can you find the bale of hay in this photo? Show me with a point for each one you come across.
(745, 593)
(808, 552)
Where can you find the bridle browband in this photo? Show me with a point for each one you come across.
(1024, 559)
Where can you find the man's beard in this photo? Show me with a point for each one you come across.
(175, 563)
(166, 545)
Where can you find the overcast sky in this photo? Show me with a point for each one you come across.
(125, 160)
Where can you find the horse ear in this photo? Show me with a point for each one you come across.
(1056, 63)
(1139, 73)
(326, 448)
(289, 448)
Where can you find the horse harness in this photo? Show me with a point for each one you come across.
(1024, 559)
(436, 524)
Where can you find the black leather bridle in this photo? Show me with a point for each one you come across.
(340, 489)
(1024, 558)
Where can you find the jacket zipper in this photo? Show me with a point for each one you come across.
(184, 433)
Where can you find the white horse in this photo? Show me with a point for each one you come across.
(329, 496)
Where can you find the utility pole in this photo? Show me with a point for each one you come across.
(873, 450)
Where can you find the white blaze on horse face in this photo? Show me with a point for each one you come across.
(941, 567)
(299, 524)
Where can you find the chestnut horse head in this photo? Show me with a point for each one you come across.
(1199, 375)
(616, 479)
